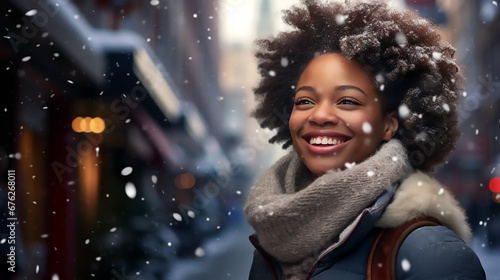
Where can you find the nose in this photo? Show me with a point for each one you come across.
(323, 114)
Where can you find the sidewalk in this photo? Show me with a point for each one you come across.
(228, 256)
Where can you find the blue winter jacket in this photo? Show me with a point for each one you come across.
(431, 252)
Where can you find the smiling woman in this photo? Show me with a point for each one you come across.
(334, 104)
(365, 86)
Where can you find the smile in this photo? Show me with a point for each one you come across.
(325, 143)
(323, 140)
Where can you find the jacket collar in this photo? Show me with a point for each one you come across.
(421, 195)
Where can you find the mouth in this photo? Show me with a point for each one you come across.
(325, 143)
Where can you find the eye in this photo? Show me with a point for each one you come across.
(303, 101)
(348, 101)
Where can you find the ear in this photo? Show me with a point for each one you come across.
(391, 125)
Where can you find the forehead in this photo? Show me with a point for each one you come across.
(334, 68)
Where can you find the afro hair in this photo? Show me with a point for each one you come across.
(411, 66)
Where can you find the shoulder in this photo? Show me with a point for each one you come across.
(422, 195)
(436, 252)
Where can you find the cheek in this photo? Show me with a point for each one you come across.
(294, 123)
(367, 125)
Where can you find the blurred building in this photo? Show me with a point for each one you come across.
(112, 117)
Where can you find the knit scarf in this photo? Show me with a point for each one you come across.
(296, 218)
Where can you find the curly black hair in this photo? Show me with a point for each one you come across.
(411, 66)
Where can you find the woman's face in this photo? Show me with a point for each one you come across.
(337, 117)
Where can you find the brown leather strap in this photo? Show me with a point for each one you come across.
(382, 259)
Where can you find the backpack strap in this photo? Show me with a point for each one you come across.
(382, 259)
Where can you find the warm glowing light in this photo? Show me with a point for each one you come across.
(97, 125)
(77, 124)
(185, 181)
(88, 124)
(496, 197)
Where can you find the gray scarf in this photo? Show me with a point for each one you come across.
(296, 218)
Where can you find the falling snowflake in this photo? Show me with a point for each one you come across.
(441, 191)
(340, 19)
(199, 252)
(177, 217)
(436, 55)
(367, 128)
(130, 190)
(112, 229)
(127, 171)
(401, 39)
(154, 179)
(403, 111)
(154, 2)
(284, 61)
(370, 173)
(272, 73)
(405, 264)
(350, 165)
(31, 13)
(446, 107)
(26, 58)
(379, 77)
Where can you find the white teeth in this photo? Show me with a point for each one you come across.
(324, 141)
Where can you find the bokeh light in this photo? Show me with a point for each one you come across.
(185, 181)
(495, 185)
(88, 125)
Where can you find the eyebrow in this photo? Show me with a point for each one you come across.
(342, 87)
(345, 87)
